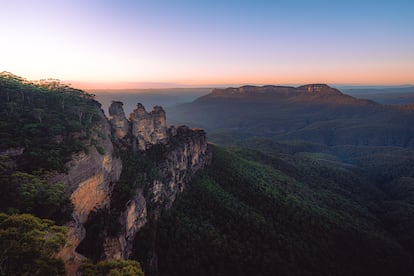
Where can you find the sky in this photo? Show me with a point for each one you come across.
(185, 43)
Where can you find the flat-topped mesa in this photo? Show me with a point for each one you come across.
(319, 88)
(118, 120)
(148, 128)
(266, 90)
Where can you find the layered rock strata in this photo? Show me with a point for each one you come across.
(92, 176)
(185, 151)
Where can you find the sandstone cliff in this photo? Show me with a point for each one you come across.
(55, 134)
(148, 128)
(90, 179)
(145, 128)
(176, 154)
(118, 120)
(183, 152)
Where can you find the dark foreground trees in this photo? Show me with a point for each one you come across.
(28, 245)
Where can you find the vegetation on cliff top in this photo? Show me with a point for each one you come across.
(48, 120)
(42, 125)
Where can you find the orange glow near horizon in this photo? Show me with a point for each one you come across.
(163, 44)
(288, 75)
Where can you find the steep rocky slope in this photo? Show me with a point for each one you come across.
(181, 152)
(56, 142)
(174, 154)
(91, 177)
(62, 159)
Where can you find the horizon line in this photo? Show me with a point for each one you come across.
(140, 85)
(97, 86)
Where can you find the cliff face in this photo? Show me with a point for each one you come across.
(92, 176)
(57, 134)
(317, 93)
(188, 154)
(184, 152)
(90, 179)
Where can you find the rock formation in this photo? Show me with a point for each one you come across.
(118, 120)
(90, 179)
(92, 176)
(148, 128)
(185, 152)
(249, 90)
(96, 153)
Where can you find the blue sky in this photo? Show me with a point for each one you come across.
(209, 42)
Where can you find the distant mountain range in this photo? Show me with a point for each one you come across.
(148, 97)
(304, 181)
(316, 113)
(384, 95)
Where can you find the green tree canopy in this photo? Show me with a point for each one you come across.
(111, 267)
(27, 245)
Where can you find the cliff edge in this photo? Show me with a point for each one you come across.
(158, 162)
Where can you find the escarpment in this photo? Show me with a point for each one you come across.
(163, 162)
(62, 159)
(90, 178)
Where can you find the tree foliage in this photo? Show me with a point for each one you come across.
(28, 245)
(22, 192)
(49, 120)
(111, 267)
(256, 213)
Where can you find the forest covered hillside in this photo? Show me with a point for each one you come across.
(44, 125)
(287, 211)
(314, 113)
(304, 181)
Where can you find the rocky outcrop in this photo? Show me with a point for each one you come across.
(92, 175)
(184, 152)
(118, 120)
(148, 128)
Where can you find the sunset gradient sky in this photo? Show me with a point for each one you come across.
(160, 43)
